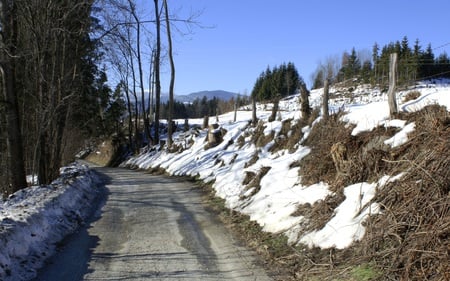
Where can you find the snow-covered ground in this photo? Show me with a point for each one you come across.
(274, 204)
(33, 220)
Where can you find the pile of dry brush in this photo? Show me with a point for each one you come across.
(410, 239)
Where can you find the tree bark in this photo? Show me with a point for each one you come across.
(151, 86)
(13, 120)
(304, 99)
(254, 118)
(172, 77)
(141, 73)
(392, 80)
(157, 72)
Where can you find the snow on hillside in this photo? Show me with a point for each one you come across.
(273, 205)
(35, 219)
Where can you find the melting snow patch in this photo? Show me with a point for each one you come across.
(401, 137)
(346, 226)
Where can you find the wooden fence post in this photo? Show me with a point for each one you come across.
(254, 118)
(392, 80)
(325, 108)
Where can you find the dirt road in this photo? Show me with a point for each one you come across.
(152, 228)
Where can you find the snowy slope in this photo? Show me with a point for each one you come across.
(35, 219)
(274, 204)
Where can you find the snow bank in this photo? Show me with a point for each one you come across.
(34, 219)
(274, 203)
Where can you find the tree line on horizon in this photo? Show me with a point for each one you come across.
(201, 107)
(414, 64)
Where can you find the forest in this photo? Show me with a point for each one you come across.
(414, 64)
(55, 94)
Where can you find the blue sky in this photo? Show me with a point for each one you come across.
(246, 36)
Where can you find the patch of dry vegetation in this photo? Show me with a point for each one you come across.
(319, 214)
(411, 96)
(258, 136)
(253, 180)
(289, 136)
(410, 240)
(105, 153)
(341, 159)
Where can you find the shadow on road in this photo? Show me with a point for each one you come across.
(71, 260)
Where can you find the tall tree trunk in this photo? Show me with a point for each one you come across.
(151, 87)
(172, 77)
(141, 73)
(157, 72)
(136, 100)
(130, 115)
(8, 72)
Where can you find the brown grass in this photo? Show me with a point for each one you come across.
(319, 214)
(411, 96)
(339, 158)
(258, 137)
(289, 136)
(411, 238)
(253, 180)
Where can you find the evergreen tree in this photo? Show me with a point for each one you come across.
(442, 65)
(351, 66)
(280, 81)
(366, 71)
(415, 60)
(427, 63)
(318, 79)
(375, 61)
(115, 113)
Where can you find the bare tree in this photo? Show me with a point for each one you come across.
(172, 76)
(123, 38)
(157, 71)
(8, 82)
(44, 61)
(132, 7)
(328, 69)
(156, 57)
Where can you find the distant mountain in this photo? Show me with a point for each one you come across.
(219, 94)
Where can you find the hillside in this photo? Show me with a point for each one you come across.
(219, 94)
(350, 194)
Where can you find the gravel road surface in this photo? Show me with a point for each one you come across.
(151, 228)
